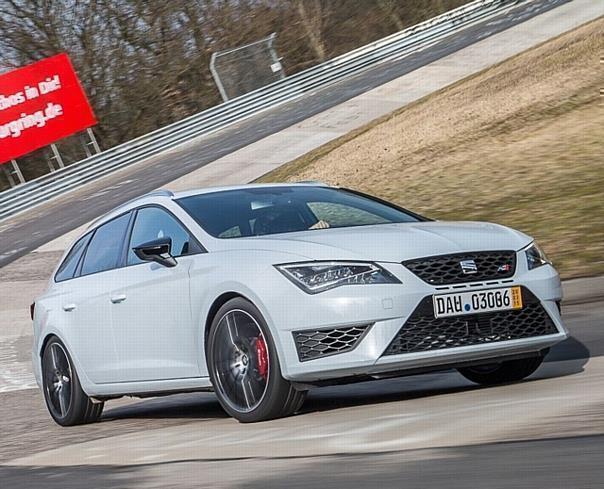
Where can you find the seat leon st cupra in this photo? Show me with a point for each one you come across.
(261, 292)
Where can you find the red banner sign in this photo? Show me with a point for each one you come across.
(40, 104)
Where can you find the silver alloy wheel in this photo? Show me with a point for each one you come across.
(241, 361)
(58, 380)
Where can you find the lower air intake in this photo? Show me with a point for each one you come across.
(319, 343)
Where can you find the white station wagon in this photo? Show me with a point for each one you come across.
(261, 292)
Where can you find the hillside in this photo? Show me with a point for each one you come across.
(521, 143)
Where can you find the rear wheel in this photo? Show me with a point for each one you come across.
(67, 403)
(504, 372)
(244, 368)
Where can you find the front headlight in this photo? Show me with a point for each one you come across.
(315, 277)
(535, 257)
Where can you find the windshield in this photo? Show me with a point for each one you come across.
(258, 211)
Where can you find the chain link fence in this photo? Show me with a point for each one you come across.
(244, 69)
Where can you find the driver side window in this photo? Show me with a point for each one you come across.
(337, 215)
(152, 223)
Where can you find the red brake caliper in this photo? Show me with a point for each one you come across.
(261, 357)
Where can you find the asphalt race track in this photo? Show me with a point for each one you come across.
(435, 430)
(30, 230)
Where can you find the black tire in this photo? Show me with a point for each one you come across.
(67, 403)
(234, 361)
(504, 372)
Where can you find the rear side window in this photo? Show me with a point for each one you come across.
(152, 223)
(70, 264)
(105, 248)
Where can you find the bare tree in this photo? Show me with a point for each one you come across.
(390, 8)
(313, 15)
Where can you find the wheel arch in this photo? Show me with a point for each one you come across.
(250, 297)
(45, 341)
(220, 301)
(85, 382)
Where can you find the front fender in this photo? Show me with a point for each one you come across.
(256, 280)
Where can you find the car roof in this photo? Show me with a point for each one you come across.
(208, 190)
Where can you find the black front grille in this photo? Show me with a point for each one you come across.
(317, 343)
(447, 269)
(424, 332)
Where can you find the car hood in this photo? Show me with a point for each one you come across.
(389, 242)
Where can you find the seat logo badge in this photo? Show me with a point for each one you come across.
(468, 267)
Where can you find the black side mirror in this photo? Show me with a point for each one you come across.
(157, 250)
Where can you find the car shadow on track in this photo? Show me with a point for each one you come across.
(569, 349)
(566, 358)
(202, 406)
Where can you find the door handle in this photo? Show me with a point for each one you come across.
(69, 307)
(116, 299)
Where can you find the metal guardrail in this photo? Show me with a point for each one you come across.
(400, 44)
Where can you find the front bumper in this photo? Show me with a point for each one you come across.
(388, 307)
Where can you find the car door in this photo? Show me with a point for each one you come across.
(151, 310)
(87, 280)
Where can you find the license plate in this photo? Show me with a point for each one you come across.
(477, 301)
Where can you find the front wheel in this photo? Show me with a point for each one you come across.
(504, 372)
(244, 368)
(67, 403)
